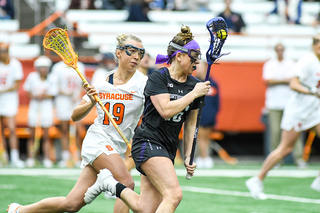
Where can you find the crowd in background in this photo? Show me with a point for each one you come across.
(138, 9)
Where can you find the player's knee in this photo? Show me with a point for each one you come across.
(128, 182)
(72, 205)
(287, 151)
(174, 196)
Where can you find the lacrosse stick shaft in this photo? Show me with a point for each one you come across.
(307, 146)
(3, 154)
(106, 111)
(223, 154)
(188, 176)
(37, 132)
(72, 138)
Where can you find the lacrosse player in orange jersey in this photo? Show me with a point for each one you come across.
(11, 74)
(121, 91)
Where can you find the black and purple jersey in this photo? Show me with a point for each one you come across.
(153, 126)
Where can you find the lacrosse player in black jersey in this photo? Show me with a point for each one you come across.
(172, 101)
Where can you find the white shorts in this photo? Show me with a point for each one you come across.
(41, 112)
(94, 144)
(9, 102)
(64, 106)
(289, 122)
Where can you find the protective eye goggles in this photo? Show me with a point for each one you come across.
(130, 49)
(192, 53)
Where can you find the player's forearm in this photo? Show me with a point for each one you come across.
(64, 93)
(189, 128)
(81, 110)
(13, 88)
(170, 108)
(272, 82)
(297, 86)
(188, 135)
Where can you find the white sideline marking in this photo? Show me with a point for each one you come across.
(68, 173)
(296, 173)
(247, 194)
(7, 186)
(246, 173)
(244, 194)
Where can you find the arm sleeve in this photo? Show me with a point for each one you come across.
(156, 84)
(197, 102)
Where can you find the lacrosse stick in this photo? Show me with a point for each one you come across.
(218, 30)
(73, 147)
(3, 152)
(37, 132)
(308, 145)
(58, 41)
(223, 154)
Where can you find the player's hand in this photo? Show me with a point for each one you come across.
(201, 88)
(90, 91)
(38, 97)
(190, 168)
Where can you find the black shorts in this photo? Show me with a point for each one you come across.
(144, 149)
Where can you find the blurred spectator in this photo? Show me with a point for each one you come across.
(11, 74)
(82, 4)
(113, 4)
(138, 10)
(208, 118)
(197, 5)
(107, 63)
(6, 9)
(316, 21)
(146, 65)
(277, 73)
(69, 96)
(41, 87)
(162, 4)
(292, 10)
(234, 20)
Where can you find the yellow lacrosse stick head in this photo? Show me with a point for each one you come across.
(58, 41)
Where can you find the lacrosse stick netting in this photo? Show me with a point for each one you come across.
(213, 54)
(58, 41)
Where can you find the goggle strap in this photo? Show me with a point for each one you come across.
(178, 47)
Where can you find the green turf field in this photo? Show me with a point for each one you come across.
(221, 189)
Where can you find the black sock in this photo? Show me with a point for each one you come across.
(119, 188)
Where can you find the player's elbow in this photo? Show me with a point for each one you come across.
(166, 115)
(75, 117)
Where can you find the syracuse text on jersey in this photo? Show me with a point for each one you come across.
(115, 96)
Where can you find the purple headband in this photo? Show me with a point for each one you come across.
(165, 58)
